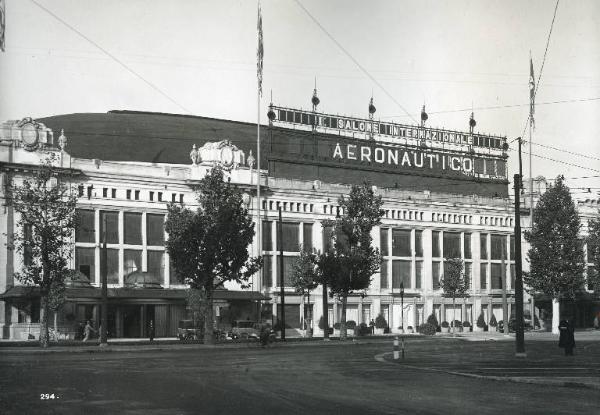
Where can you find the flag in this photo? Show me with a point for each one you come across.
(2, 25)
(531, 91)
(259, 52)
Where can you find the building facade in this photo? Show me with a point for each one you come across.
(445, 195)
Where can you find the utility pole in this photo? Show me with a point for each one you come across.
(506, 317)
(104, 282)
(281, 279)
(519, 329)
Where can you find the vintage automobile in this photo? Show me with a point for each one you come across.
(186, 330)
(245, 329)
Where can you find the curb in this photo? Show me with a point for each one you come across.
(546, 382)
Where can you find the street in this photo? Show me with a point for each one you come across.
(299, 378)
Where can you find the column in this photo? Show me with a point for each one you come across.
(97, 250)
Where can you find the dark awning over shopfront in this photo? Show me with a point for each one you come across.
(88, 293)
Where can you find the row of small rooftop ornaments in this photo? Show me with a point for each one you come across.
(316, 101)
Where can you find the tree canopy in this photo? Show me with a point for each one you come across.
(556, 252)
(351, 261)
(47, 218)
(209, 246)
(593, 241)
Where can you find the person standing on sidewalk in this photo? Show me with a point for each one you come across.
(151, 330)
(567, 337)
(87, 331)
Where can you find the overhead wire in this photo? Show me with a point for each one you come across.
(113, 57)
(356, 62)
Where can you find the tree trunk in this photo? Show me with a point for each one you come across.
(453, 316)
(56, 322)
(303, 317)
(555, 315)
(209, 336)
(343, 332)
(44, 340)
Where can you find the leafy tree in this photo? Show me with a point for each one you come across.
(348, 266)
(432, 319)
(305, 276)
(454, 283)
(380, 321)
(555, 253)
(209, 247)
(593, 241)
(47, 217)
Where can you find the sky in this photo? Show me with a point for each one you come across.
(199, 57)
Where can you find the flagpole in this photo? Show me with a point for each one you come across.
(531, 124)
(259, 54)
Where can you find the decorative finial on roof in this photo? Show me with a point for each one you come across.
(372, 108)
(472, 122)
(250, 160)
(62, 140)
(315, 99)
(195, 155)
(424, 116)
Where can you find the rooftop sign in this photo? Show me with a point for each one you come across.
(366, 127)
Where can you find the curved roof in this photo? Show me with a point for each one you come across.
(149, 136)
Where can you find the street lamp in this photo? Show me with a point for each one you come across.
(402, 303)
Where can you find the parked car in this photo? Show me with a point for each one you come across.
(245, 329)
(186, 330)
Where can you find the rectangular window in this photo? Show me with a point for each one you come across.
(112, 260)
(113, 193)
(151, 196)
(401, 242)
(497, 277)
(85, 226)
(84, 262)
(327, 238)
(513, 273)
(105, 192)
(173, 197)
(483, 277)
(418, 275)
(307, 229)
(133, 228)
(267, 271)
(156, 266)
(181, 198)
(383, 272)
(468, 274)
(290, 235)
(155, 229)
(27, 251)
(512, 247)
(401, 271)
(591, 271)
(160, 196)
(483, 246)
(435, 244)
(498, 246)
(112, 227)
(128, 193)
(435, 275)
(137, 195)
(173, 279)
(288, 262)
(383, 242)
(467, 246)
(132, 262)
(267, 236)
(419, 243)
(452, 245)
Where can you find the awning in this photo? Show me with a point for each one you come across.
(21, 291)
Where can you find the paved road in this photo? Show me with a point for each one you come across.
(328, 378)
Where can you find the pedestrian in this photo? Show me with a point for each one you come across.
(151, 330)
(567, 337)
(372, 325)
(87, 331)
(596, 322)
